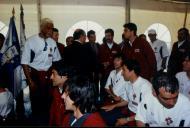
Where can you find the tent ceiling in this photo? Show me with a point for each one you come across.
(178, 1)
(85, 2)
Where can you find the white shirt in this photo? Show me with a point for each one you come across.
(184, 83)
(157, 46)
(180, 43)
(110, 45)
(6, 103)
(118, 82)
(136, 92)
(43, 59)
(151, 111)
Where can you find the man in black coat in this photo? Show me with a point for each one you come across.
(179, 49)
(79, 55)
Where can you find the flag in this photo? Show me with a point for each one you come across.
(24, 86)
(10, 58)
(22, 29)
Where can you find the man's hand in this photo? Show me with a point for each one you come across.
(121, 122)
(32, 86)
(108, 107)
(117, 98)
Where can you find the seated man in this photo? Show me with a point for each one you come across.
(115, 85)
(165, 106)
(184, 77)
(60, 73)
(79, 97)
(136, 88)
(6, 105)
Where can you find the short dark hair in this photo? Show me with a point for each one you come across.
(82, 93)
(109, 30)
(142, 35)
(170, 83)
(187, 54)
(91, 32)
(63, 69)
(68, 38)
(131, 27)
(119, 55)
(186, 31)
(133, 65)
(78, 33)
(2, 37)
(55, 30)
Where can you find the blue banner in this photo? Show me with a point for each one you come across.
(10, 58)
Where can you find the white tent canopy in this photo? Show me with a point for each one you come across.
(105, 13)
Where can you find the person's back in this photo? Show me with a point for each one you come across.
(6, 105)
(90, 120)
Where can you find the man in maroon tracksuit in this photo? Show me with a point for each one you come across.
(106, 54)
(140, 50)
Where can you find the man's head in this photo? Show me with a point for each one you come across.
(60, 74)
(2, 39)
(109, 34)
(80, 35)
(152, 35)
(143, 36)
(46, 27)
(166, 89)
(55, 34)
(130, 30)
(91, 36)
(79, 94)
(131, 69)
(186, 63)
(69, 40)
(183, 34)
(118, 60)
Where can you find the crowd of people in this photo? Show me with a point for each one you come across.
(85, 84)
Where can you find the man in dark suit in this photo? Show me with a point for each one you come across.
(179, 49)
(79, 55)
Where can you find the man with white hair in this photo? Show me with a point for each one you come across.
(160, 50)
(39, 53)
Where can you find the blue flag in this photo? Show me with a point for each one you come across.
(10, 58)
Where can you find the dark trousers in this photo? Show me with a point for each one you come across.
(40, 98)
(111, 117)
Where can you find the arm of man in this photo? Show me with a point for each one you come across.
(111, 107)
(150, 57)
(28, 77)
(140, 124)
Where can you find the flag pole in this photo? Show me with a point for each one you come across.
(13, 12)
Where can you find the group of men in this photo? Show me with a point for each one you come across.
(67, 78)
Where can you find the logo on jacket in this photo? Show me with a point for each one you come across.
(169, 120)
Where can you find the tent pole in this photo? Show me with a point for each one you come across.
(127, 11)
(39, 8)
(185, 19)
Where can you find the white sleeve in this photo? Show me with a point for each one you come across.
(179, 76)
(25, 59)
(165, 51)
(141, 112)
(186, 113)
(146, 89)
(126, 96)
(108, 83)
(56, 55)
